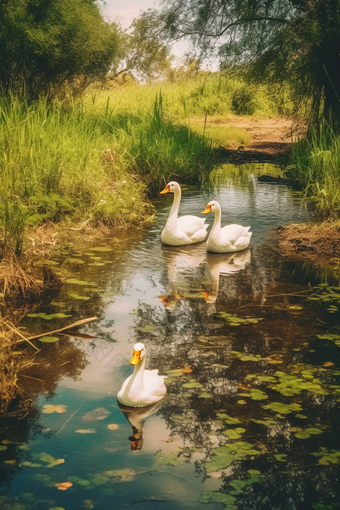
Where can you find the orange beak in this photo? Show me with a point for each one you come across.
(207, 209)
(164, 299)
(135, 358)
(165, 190)
(206, 295)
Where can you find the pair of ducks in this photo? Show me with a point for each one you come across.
(146, 387)
(190, 229)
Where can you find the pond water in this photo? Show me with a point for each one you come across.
(249, 342)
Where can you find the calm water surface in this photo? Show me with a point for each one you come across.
(252, 422)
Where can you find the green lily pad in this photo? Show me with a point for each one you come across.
(74, 295)
(50, 316)
(234, 433)
(235, 321)
(149, 328)
(218, 497)
(123, 475)
(102, 248)
(224, 456)
(267, 423)
(173, 458)
(279, 407)
(205, 395)
(75, 281)
(229, 420)
(192, 385)
(327, 458)
(99, 479)
(44, 479)
(302, 434)
(174, 373)
(266, 378)
(313, 430)
(49, 339)
(281, 457)
(250, 358)
(256, 394)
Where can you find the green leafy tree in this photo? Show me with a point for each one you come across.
(288, 40)
(147, 54)
(47, 45)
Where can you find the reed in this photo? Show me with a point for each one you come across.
(315, 163)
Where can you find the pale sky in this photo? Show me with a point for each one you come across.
(125, 11)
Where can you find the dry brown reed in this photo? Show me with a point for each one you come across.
(17, 284)
(12, 362)
(319, 242)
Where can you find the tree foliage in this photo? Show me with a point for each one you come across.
(46, 45)
(147, 54)
(287, 40)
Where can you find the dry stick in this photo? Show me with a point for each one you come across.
(74, 325)
(24, 339)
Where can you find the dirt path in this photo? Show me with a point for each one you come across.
(271, 139)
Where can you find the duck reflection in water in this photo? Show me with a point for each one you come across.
(180, 262)
(224, 264)
(136, 417)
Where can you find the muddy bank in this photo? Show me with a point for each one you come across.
(271, 140)
(319, 242)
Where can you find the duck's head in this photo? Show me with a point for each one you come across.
(138, 353)
(209, 297)
(213, 206)
(171, 187)
(171, 300)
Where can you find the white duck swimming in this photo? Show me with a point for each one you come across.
(226, 239)
(184, 230)
(143, 387)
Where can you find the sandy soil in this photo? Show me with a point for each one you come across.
(271, 139)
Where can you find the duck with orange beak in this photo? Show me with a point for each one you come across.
(179, 231)
(226, 239)
(143, 387)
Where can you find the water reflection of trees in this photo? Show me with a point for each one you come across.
(26, 372)
(195, 333)
(35, 372)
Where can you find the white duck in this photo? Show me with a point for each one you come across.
(226, 239)
(143, 387)
(184, 230)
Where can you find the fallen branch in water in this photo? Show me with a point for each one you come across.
(74, 325)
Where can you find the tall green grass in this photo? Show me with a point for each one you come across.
(315, 163)
(161, 149)
(211, 94)
(102, 158)
(89, 161)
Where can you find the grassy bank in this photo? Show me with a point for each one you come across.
(87, 162)
(102, 158)
(315, 163)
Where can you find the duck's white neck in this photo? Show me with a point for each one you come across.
(175, 204)
(217, 221)
(136, 381)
